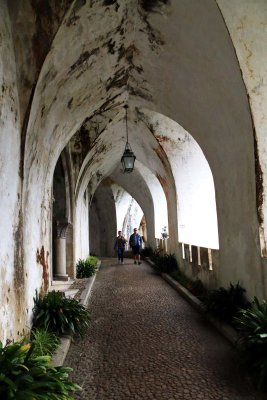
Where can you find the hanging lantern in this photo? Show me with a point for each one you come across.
(128, 157)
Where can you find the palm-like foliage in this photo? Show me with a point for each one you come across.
(224, 304)
(60, 314)
(24, 377)
(164, 263)
(252, 326)
(86, 268)
(252, 322)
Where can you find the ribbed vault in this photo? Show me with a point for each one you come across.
(119, 56)
(170, 61)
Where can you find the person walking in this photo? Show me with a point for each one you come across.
(135, 242)
(119, 246)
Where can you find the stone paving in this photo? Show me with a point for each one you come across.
(146, 342)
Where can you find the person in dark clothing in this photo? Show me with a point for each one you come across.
(135, 242)
(119, 246)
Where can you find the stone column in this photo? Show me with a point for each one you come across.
(60, 272)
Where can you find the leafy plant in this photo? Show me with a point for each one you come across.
(147, 251)
(44, 341)
(224, 304)
(87, 267)
(164, 263)
(252, 326)
(197, 288)
(168, 263)
(60, 314)
(24, 377)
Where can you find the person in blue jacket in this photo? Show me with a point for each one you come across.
(135, 242)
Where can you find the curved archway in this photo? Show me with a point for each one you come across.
(103, 158)
(196, 203)
(202, 89)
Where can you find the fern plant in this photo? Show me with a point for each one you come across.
(60, 314)
(164, 263)
(224, 304)
(252, 326)
(86, 268)
(25, 377)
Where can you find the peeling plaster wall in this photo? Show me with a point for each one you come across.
(247, 24)
(34, 24)
(12, 275)
(201, 88)
(72, 87)
(119, 55)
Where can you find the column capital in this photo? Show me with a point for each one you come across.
(61, 229)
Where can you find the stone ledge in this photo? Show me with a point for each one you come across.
(65, 341)
(226, 330)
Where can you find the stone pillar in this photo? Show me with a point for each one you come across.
(60, 272)
(144, 231)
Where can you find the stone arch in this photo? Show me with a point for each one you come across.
(201, 87)
(104, 157)
(139, 189)
(13, 312)
(196, 203)
(62, 221)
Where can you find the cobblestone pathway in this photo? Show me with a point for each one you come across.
(145, 342)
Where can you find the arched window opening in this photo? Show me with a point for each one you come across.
(129, 213)
(196, 203)
(159, 200)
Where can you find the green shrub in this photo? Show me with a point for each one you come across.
(197, 288)
(24, 377)
(147, 251)
(166, 263)
(156, 257)
(59, 314)
(224, 304)
(93, 260)
(87, 267)
(45, 342)
(252, 326)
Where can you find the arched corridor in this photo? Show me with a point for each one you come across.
(146, 342)
(192, 75)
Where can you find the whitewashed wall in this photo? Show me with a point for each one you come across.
(180, 63)
(82, 228)
(247, 24)
(159, 199)
(196, 203)
(12, 273)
